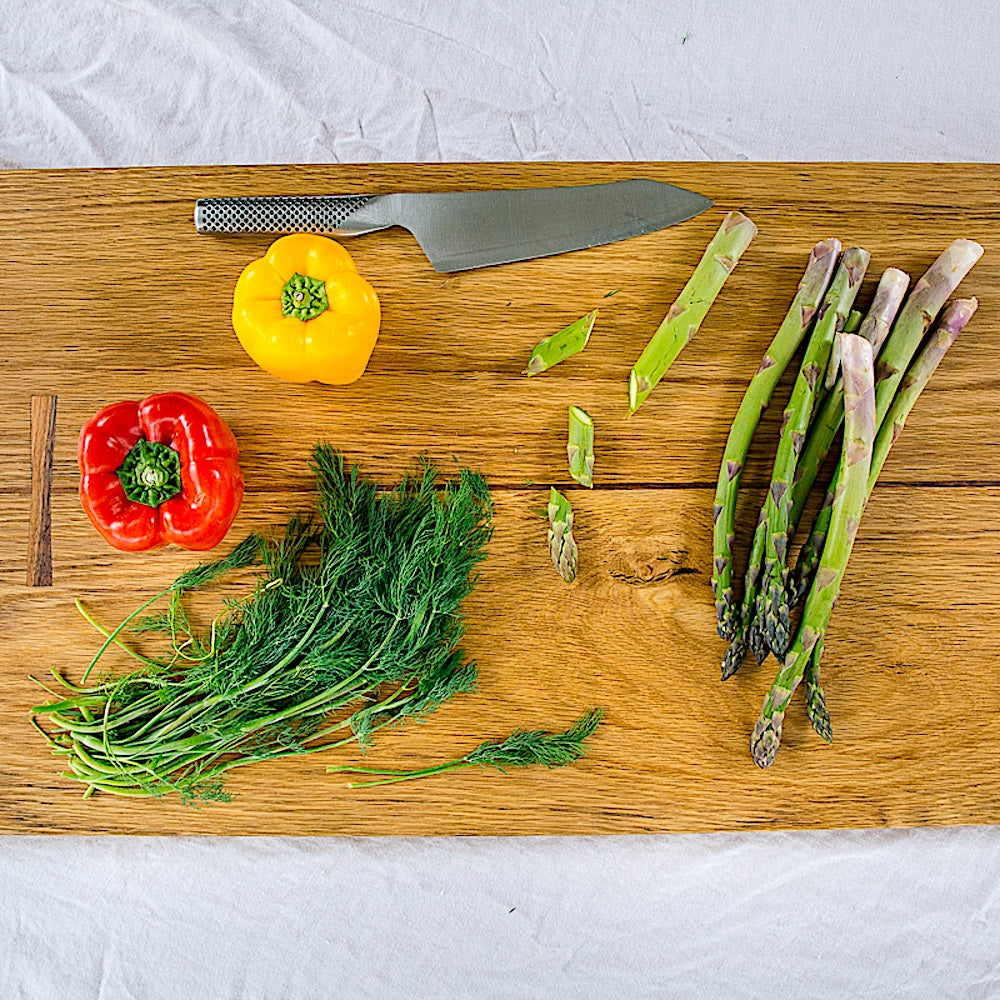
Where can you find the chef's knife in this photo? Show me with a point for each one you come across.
(459, 230)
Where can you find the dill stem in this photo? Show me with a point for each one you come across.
(113, 637)
(207, 703)
(393, 777)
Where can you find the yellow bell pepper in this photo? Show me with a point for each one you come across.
(303, 313)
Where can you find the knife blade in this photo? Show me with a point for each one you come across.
(460, 230)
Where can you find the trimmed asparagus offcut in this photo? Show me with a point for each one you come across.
(562, 544)
(562, 345)
(859, 437)
(823, 432)
(687, 313)
(772, 608)
(922, 305)
(810, 291)
(580, 449)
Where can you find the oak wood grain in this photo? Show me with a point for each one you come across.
(108, 293)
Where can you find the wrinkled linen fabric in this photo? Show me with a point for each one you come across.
(829, 914)
(139, 82)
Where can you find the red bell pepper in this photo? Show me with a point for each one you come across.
(163, 470)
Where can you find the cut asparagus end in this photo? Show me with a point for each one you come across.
(562, 545)
(580, 449)
(562, 345)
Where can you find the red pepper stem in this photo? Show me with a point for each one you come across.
(151, 473)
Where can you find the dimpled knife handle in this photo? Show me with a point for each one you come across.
(278, 214)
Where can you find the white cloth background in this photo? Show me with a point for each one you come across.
(829, 914)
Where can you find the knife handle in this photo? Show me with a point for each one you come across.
(334, 214)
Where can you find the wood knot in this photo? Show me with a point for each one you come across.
(648, 561)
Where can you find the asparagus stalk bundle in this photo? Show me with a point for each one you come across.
(848, 505)
(685, 316)
(765, 575)
(797, 322)
(874, 328)
(951, 324)
(921, 307)
(953, 321)
(772, 609)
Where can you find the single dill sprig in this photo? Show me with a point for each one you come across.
(354, 624)
(523, 748)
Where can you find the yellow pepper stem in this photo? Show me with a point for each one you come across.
(303, 297)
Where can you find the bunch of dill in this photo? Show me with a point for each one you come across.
(353, 625)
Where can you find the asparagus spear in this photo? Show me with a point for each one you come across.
(851, 324)
(924, 302)
(772, 609)
(823, 432)
(951, 324)
(794, 327)
(687, 313)
(562, 345)
(954, 319)
(859, 435)
(562, 544)
(816, 708)
(580, 449)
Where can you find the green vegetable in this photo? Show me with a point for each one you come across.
(580, 449)
(562, 345)
(922, 305)
(859, 435)
(802, 311)
(520, 749)
(825, 427)
(772, 607)
(951, 324)
(686, 314)
(755, 626)
(562, 544)
(354, 625)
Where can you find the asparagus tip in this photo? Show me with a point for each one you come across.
(765, 740)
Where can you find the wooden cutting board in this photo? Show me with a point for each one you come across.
(107, 293)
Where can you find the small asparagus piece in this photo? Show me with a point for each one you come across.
(772, 609)
(562, 544)
(520, 749)
(926, 299)
(810, 291)
(859, 436)
(823, 432)
(580, 449)
(562, 345)
(687, 313)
